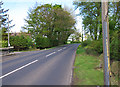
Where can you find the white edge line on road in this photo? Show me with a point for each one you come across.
(70, 81)
(18, 69)
(50, 54)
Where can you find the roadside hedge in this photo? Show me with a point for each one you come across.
(42, 42)
(21, 42)
(114, 46)
(94, 47)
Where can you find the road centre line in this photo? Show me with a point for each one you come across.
(60, 50)
(64, 48)
(50, 54)
(18, 69)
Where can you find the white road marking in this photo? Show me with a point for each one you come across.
(18, 69)
(60, 50)
(50, 54)
(64, 48)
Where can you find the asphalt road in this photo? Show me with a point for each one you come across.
(48, 67)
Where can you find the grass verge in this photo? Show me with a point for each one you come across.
(85, 69)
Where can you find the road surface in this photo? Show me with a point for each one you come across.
(48, 67)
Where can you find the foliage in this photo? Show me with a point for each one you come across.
(75, 36)
(20, 42)
(4, 43)
(91, 16)
(85, 43)
(52, 22)
(4, 24)
(42, 42)
(114, 27)
(75, 42)
(95, 47)
(114, 46)
(92, 23)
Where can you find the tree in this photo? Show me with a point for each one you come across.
(114, 26)
(4, 24)
(52, 22)
(76, 36)
(91, 13)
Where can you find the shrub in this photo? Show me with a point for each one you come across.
(4, 43)
(114, 53)
(30, 41)
(91, 51)
(20, 42)
(42, 42)
(75, 42)
(85, 43)
(54, 43)
(95, 47)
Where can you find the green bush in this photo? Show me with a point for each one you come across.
(42, 42)
(20, 42)
(91, 51)
(30, 42)
(85, 43)
(98, 46)
(95, 47)
(75, 42)
(54, 43)
(114, 53)
(4, 43)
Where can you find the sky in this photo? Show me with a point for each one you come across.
(18, 11)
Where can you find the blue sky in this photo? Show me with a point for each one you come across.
(18, 10)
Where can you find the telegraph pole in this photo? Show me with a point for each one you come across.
(8, 31)
(105, 30)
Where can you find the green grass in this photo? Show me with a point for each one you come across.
(85, 72)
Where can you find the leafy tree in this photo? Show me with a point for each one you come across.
(4, 24)
(91, 13)
(52, 22)
(114, 27)
(75, 36)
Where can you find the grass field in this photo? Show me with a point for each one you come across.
(85, 69)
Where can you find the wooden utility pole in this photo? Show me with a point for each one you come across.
(105, 30)
(8, 31)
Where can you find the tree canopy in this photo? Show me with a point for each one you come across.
(92, 21)
(4, 24)
(91, 15)
(50, 21)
